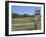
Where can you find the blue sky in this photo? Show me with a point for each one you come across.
(24, 9)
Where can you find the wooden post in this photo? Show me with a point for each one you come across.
(35, 23)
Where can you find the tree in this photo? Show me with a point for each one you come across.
(24, 15)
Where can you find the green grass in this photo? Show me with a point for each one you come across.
(22, 20)
(20, 23)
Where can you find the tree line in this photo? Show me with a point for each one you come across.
(20, 16)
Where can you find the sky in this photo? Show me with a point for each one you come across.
(24, 9)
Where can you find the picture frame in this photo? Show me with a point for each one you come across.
(11, 6)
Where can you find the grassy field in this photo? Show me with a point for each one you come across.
(26, 23)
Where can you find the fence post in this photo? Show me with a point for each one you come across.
(35, 23)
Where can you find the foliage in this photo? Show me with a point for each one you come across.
(20, 15)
